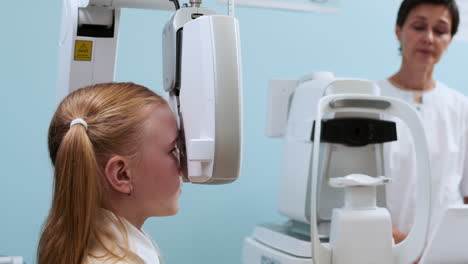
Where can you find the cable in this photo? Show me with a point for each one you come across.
(176, 4)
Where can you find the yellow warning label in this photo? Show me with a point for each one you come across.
(83, 50)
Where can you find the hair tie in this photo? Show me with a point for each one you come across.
(79, 121)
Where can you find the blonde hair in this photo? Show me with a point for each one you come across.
(114, 113)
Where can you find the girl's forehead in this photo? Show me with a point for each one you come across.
(161, 124)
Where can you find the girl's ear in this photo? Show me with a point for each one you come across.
(117, 175)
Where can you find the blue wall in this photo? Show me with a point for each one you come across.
(358, 42)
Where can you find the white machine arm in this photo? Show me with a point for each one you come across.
(201, 73)
(88, 40)
(319, 6)
(87, 46)
(141, 4)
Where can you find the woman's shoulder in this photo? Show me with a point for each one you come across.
(452, 104)
(444, 87)
(387, 88)
(451, 96)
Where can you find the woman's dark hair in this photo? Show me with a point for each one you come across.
(408, 5)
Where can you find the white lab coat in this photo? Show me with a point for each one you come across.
(444, 113)
(139, 243)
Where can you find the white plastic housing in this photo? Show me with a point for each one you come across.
(450, 238)
(211, 99)
(410, 249)
(361, 237)
(11, 260)
(361, 231)
(170, 43)
(279, 97)
(295, 172)
(255, 252)
(100, 67)
(295, 193)
(300, 198)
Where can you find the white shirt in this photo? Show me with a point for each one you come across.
(139, 243)
(444, 113)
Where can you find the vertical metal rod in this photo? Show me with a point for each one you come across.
(195, 3)
(231, 7)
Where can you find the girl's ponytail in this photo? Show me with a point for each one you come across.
(77, 196)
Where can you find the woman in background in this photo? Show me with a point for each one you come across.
(425, 29)
(113, 147)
